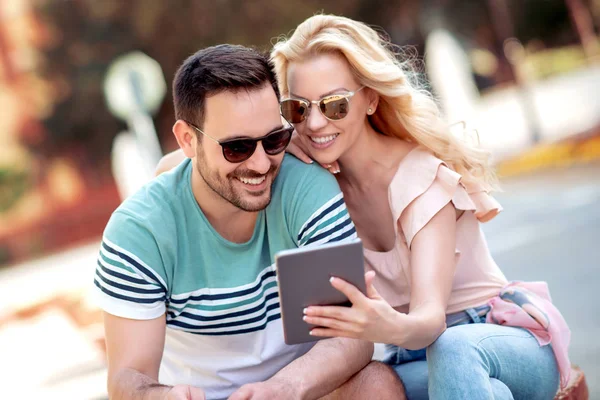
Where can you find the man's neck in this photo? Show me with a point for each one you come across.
(232, 223)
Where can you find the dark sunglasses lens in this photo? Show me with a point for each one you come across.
(276, 142)
(237, 151)
(334, 107)
(294, 111)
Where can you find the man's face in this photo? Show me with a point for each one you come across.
(248, 114)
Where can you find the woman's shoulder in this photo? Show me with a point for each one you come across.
(418, 156)
(424, 184)
(415, 173)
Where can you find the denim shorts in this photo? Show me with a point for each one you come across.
(395, 355)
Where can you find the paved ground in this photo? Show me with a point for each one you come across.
(550, 230)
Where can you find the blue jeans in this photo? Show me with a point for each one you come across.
(475, 360)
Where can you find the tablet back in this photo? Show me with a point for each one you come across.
(303, 275)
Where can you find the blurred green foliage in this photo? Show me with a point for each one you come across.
(547, 63)
(13, 184)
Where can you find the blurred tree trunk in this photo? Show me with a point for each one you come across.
(584, 25)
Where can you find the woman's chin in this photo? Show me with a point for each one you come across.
(325, 160)
(324, 157)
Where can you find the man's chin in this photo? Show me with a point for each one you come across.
(254, 206)
(253, 200)
(256, 201)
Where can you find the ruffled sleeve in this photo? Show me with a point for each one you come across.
(424, 184)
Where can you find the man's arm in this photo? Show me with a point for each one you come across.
(329, 364)
(322, 370)
(134, 349)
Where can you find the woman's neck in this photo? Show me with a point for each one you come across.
(369, 161)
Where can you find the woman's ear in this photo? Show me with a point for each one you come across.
(373, 98)
(186, 139)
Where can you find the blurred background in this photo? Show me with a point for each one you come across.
(86, 111)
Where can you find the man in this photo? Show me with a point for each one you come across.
(185, 273)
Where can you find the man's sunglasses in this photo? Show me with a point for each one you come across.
(238, 150)
(333, 107)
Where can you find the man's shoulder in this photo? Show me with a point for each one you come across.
(301, 189)
(295, 174)
(311, 204)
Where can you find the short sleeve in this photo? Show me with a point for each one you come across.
(130, 280)
(424, 184)
(318, 214)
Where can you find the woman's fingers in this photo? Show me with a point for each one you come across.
(329, 323)
(297, 152)
(334, 167)
(352, 293)
(337, 312)
(371, 291)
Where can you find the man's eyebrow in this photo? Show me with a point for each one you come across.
(340, 89)
(277, 128)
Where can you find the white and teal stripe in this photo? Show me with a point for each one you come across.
(124, 276)
(227, 311)
(329, 223)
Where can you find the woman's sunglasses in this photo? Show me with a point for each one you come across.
(238, 150)
(333, 107)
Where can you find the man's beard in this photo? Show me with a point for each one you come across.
(228, 190)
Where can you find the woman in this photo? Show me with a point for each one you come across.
(416, 195)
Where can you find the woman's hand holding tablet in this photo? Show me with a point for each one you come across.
(304, 275)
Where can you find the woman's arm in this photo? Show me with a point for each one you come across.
(433, 264)
(371, 318)
(169, 161)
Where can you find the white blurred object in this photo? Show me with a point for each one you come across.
(134, 88)
(449, 70)
(130, 168)
(566, 104)
(134, 82)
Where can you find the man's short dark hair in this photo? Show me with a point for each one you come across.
(214, 70)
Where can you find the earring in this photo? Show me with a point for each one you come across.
(370, 111)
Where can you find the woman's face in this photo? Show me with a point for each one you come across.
(317, 77)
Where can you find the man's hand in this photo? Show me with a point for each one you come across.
(271, 389)
(185, 392)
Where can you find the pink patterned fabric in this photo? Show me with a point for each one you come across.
(528, 305)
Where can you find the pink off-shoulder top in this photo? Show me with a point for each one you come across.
(422, 186)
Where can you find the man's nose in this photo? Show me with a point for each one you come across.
(316, 120)
(260, 161)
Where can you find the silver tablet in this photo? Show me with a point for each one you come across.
(303, 276)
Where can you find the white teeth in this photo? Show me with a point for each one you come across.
(324, 139)
(252, 181)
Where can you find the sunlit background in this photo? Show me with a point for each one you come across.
(523, 74)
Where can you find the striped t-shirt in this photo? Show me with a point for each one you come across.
(160, 255)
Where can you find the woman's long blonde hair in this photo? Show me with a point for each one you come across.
(405, 110)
